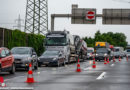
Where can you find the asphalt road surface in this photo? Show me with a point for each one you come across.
(113, 76)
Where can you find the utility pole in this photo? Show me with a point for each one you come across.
(36, 20)
(18, 21)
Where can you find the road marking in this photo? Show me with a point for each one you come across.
(13, 78)
(101, 76)
(88, 68)
(112, 65)
(16, 88)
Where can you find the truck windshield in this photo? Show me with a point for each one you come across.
(116, 50)
(102, 50)
(60, 41)
(89, 51)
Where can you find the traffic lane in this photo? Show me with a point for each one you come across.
(48, 70)
(22, 72)
(116, 78)
(69, 79)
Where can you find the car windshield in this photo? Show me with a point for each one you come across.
(128, 50)
(50, 41)
(102, 50)
(89, 51)
(116, 53)
(116, 49)
(50, 53)
(20, 51)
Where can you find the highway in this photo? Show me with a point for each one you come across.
(113, 76)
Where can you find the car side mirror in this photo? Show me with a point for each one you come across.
(34, 53)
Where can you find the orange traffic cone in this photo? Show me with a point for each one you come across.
(105, 62)
(78, 67)
(30, 78)
(94, 63)
(113, 59)
(108, 60)
(2, 84)
(119, 58)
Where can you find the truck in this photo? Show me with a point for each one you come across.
(119, 52)
(72, 46)
(102, 51)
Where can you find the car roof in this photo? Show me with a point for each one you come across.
(3, 48)
(23, 47)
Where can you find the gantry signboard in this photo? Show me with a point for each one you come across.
(116, 16)
(83, 15)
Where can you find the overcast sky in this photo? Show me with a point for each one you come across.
(10, 9)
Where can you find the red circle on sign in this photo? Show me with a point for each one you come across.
(90, 15)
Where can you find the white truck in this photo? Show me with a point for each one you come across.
(71, 46)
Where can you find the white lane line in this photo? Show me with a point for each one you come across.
(112, 65)
(88, 68)
(101, 76)
(13, 78)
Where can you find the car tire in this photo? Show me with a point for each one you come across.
(39, 65)
(36, 66)
(58, 64)
(64, 63)
(12, 69)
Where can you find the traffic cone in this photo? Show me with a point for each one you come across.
(30, 78)
(94, 63)
(108, 60)
(119, 58)
(2, 84)
(78, 67)
(113, 59)
(105, 62)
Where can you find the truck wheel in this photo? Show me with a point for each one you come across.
(12, 69)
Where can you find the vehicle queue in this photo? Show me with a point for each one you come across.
(61, 48)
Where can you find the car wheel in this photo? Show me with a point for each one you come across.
(12, 69)
(58, 64)
(64, 63)
(36, 66)
(39, 65)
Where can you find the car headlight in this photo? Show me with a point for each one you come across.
(105, 54)
(54, 59)
(96, 54)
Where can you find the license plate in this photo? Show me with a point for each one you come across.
(46, 62)
(17, 61)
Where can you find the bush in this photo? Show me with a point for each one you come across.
(16, 38)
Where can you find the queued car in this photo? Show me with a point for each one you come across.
(90, 53)
(7, 63)
(23, 56)
(128, 53)
(52, 58)
(103, 53)
(117, 54)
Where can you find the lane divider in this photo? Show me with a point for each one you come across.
(101, 76)
(112, 65)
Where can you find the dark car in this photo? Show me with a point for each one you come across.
(6, 61)
(23, 56)
(102, 53)
(54, 58)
